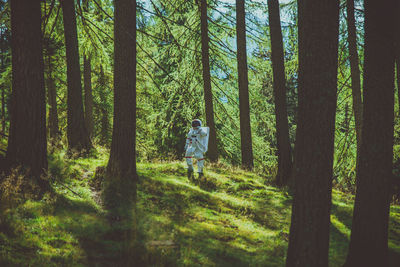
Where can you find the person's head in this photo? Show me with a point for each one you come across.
(196, 124)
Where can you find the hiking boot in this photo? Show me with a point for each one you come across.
(200, 175)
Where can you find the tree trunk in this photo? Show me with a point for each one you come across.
(369, 235)
(121, 176)
(87, 81)
(3, 110)
(105, 123)
(27, 138)
(318, 61)
(244, 106)
(3, 89)
(78, 137)
(87, 84)
(54, 132)
(398, 76)
(397, 59)
(278, 67)
(208, 97)
(355, 75)
(397, 62)
(121, 169)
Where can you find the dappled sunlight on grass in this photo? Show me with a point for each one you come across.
(233, 219)
(224, 227)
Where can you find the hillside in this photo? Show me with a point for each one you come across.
(232, 218)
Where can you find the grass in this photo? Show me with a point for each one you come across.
(231, 219)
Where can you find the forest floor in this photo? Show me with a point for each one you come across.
(232, 218)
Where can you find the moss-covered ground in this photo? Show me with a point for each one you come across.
(231, 218)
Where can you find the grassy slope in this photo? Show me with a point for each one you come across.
(231, 219)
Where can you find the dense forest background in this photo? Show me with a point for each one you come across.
(169, 75)
(200, 59)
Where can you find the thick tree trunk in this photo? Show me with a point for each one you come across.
(27, 138)
(121, 169)
(78, 137)
(244, 106)
(87, 81)
(318, 61)
(355, 74)
(54, 132)
(369, 235)
(121, 177)
(278, 67)
(208, 97)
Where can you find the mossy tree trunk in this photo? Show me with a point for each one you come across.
(355, 74)
(278, 67)
(27, 138)
(318, 61)
(369, 233)
(77, 134)
(208, 97)
(244, 106)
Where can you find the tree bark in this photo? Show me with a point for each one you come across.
(3, 89)
(27, 137)
(87, 81)
(355, 75)
(208, 97)
(318, 61)
(3, 110)
(121, 177)
(278, 67)
(77, 134)
(397, 59)
(369, 235)
(105, 123)
(397, 62)
(122, 154)
(244, 106)
(54, 132)
(87, 86)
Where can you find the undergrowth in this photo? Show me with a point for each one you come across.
(231, 218)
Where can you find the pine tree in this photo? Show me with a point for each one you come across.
(78, 137)
(121, 175)
(87, 86)
(208, 96)
(318, 61)
(27, 138)
(54, 132)
(244, 106)
(369, 233)
(355, 74)
(278, 66)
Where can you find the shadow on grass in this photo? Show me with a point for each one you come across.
(340, 236)
(212, 229)
(101, 241)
